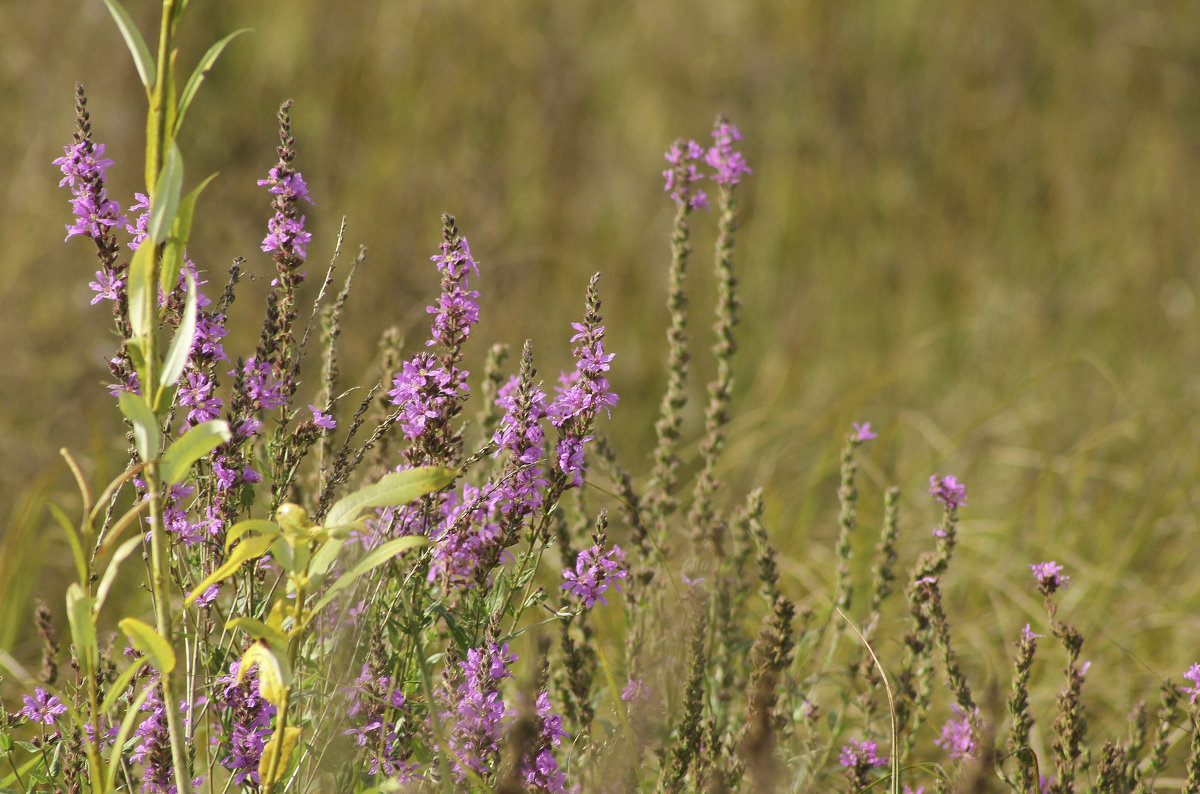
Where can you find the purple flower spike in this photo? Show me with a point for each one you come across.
(957, 738)
(728, 164)
(861, 755)
(1049, 576)
(948, 490)
(322, 419)
(1193, 675)
(594, 571)
(862, 432)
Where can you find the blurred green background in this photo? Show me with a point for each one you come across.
(972, 224)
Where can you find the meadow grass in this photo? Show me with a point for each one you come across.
(1003, 289)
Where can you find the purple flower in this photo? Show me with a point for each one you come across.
(137, 229)
(863, 432)
(322, 419)
(424, 390)
(262, 388)
(635, 689)
(1193, 675)
(458, 308)
(683, 157)
(544, 775)
(594, 571)
(861, 755)
(1049, 577)
(948, 490)
(42, 707)
(250, 717)
(196, 392)
(83, 166)
(478, 710)
(728, 164)
(373, 701)
(107, 286)
(957, 739)
(1027, 634)
(285, 231)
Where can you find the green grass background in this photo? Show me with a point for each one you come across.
(973, 224)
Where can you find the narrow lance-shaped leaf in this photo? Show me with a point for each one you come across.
(142, 58)
(398, 488)
(277, 754)
(72, 539)
(260, 525)
(194, 444)
(114, 565)
(166, 196)
(83, 626)
(146, 435)
(248, 549)
(142, 298)
(181, 346)
(177, 240)
(198, 75)
(156, 648)
(274, 673)
(373, 560)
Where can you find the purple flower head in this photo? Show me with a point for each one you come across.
(1193, 675)
(42, 707)
(861, 755)
(478, 710)
(262, 388)
(948, 490)
(83, 166)
(285, 230)
(543, 774)
(196, 392)
(138, 229)
(250, 716)
(425, 390)
(1027, 634)
(728, 164)
(1049, 577)
(107, 286)
(683, 172)
(635, 689)
(957, 739)
(322, 419)
(594, 571)
(863, 432)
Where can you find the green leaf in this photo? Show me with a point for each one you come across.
(260, 525)
(151, 643)
(249, 548)
(166, 197)
(274, 673)
(181, 232)
(142, 58)
(110, 573)
(399, 488)
(373, 560)
(258, 630)
(322, 559)
(72, 539)
(83, 625)
(194, 444)
(181, 345)
(131, 716)
(121, 684)
(198, 75)
(277, 754)
(146, 435)
(142, 297)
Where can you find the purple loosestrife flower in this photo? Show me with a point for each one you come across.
(458, 308)
(42, 707)
(138, 229)
(107, 286)
(249, 717)
(957, 739)
(544, 775)
(153, 750)
(948, 490)
(1192, 674)
(465, 538)
(322, 419)
(285, 231)
(729, 165)
(595, 570)
(519, 491)
(262, 387)
(196, 393)
(861, 755)
(1050, 577)
(683, 157)
(862, 432)
(373, 699)
(83, 166)
(424, 390)
(478, 710)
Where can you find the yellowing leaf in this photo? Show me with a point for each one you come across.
(273, 672)
(277, 754)
(150, 642)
